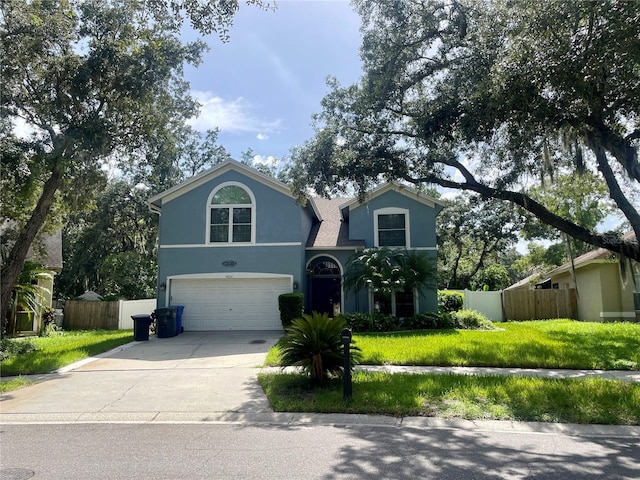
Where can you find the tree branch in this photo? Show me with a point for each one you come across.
(629, 248)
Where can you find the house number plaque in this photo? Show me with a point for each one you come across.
(229, 263)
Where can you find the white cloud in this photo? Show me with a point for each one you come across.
(229, 115)
(265, 160)
(262, 136)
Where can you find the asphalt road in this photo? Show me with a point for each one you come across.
(326, 451)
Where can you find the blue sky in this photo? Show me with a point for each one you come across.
(262, 87)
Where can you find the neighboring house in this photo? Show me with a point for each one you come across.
(603, 292)
(48, 254)
(231, 240)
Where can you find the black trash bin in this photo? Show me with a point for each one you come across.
(141, 327)
(165, 322)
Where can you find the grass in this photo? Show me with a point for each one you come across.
(535, 344)
(57, 351)
(587, 401)
(14, 384)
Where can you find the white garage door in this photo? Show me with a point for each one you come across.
(229, 303)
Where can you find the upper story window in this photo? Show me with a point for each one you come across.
(392, 227)
(231, 214)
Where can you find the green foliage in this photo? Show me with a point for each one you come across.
(314, 343)
(27, 295)
(472, 320)
(48, 326)
(11, 347)
(379, 322)
(487, 97)
(491, 278)
(430, 321)
(450, 301)
(386, 271)
(582, 198)
(474, 234)
(291, 306)
(369, 322)
(105, 84)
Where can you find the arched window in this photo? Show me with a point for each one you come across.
(323, 267)
(231, 214)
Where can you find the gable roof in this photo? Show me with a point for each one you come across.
(155, 202)
(331, 230)
(405, 190)
(598, 255)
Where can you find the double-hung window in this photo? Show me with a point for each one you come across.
(231, 215)
(392, 227)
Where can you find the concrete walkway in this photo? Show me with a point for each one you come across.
(212, 377)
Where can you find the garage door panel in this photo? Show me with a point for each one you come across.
(230, 304)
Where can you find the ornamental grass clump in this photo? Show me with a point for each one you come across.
(314, 343)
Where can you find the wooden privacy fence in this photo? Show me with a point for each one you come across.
(83, 315)
(522, 304)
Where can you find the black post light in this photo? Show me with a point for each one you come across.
(346, 341)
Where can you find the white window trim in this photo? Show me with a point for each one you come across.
(392, 211)
(253, 214)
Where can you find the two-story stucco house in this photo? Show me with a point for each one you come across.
(232, 240)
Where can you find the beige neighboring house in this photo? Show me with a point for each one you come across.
(603, 293)
(50, 257)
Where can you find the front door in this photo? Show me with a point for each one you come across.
(325, 286)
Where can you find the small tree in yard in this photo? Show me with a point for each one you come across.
(388, 271)
(314, 343)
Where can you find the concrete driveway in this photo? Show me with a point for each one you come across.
(196, 376)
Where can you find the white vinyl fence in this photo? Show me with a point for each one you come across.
(487, 303)
(133, 307)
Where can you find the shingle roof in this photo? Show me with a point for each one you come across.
(596, 254)
(53, 248)
(45, 250)
(332, 231)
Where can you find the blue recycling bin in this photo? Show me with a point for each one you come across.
(179, 310)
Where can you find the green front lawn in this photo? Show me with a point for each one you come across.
(57, 351)
(472, 397)
(536, 344)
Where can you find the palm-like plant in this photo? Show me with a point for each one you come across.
(386, 271)
(314, 343)
(27, 295)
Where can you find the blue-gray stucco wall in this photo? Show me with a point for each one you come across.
(184, 219)
(422, 219)
(280, 223)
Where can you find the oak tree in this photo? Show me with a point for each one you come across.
(488, 97)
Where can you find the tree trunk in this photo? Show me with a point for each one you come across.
(18, 255)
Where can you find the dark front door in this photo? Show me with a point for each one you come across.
(325, 295)
(325, 286)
